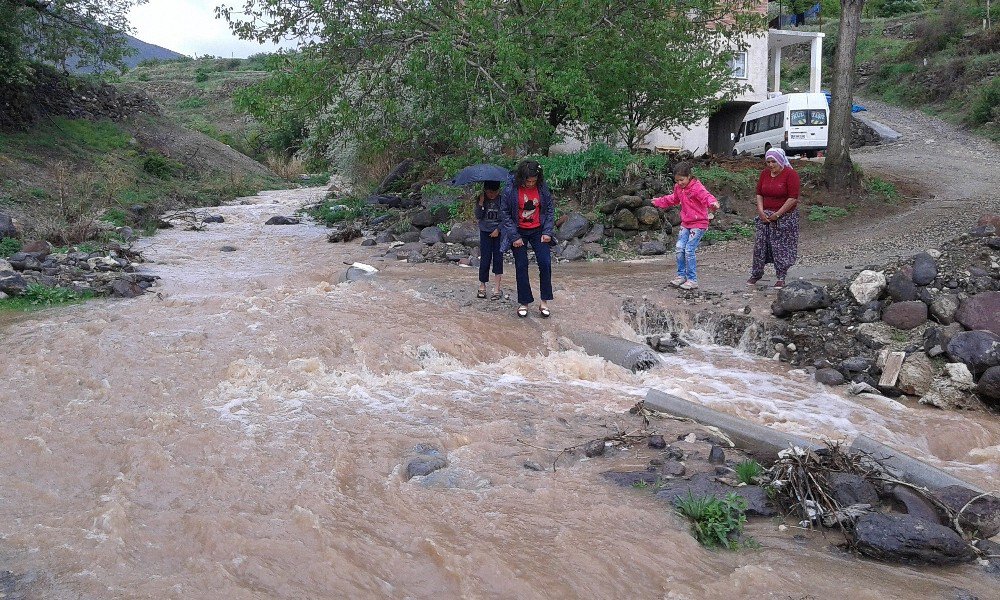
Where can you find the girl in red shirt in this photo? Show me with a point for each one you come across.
(777, 223)
(527, 218)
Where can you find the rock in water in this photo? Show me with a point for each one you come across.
(282, 220)
(989, 384)
(908, 539)
(424, 465)
(980, 516)
(344, 234)
(829, 376)
(979, 350)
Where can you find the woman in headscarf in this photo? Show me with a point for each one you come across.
(777, 222)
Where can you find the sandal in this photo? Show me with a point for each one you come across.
(544, 312)
(522, 311)
(779, 284)
(481, 293)
(496, 295)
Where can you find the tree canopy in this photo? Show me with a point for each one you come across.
(449, 76)
(53, 31)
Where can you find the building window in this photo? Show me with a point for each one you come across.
(739, 65)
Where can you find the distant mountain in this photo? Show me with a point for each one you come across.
(143, 51)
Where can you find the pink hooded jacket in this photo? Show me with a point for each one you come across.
(694, 200)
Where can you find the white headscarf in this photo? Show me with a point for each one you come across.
(778, 155)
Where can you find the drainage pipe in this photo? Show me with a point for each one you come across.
(631, 355)
(906, 468)
(763, 442)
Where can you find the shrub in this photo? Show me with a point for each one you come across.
(714, 521)
(885, 190)
(115, 216)
(598, 160)
(40, 295)
(200, 76)
(937, 31)
(9, 246)
(986, 107)
(160, 166)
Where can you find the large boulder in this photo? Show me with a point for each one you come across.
(979, 350)
(943, 308)
(648, 217)
(422, 218)
(924, 269)
(461, 232)
(989, 384)
(829, 376)
(905, 315)
(595, 234)
(953, 390)
(916, 375)
(431, 235)
(848, 489)
(576, 225)
(630, 201)
(868, 286)
(981, 311)
(7, 228)
(901, 287)
(800, 296)
(978, 516)
(12, 283)
(625, 219)
(909, 539)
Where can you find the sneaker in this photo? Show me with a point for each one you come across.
(690, 284)
(677, 281)
(779, 283)
(753, 280)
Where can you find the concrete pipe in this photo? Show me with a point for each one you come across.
(632, 356)
(763, 442)
(906, 468)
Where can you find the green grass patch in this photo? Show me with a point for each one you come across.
(9, 246)
(75, 135)
(736, 231)
(714, 521)
(331, 212)
(822, 214)
(882, 189)
(748, 471)
(716, 176)
(191, 103)
(115, 216)
(38, 296)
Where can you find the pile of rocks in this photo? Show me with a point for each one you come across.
(109, 272)
(927, 326)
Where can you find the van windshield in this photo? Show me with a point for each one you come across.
(807, 117)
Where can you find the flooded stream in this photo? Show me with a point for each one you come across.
(243, 433)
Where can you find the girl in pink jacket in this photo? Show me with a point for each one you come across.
(695, 202)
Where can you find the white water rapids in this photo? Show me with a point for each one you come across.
(244, 432)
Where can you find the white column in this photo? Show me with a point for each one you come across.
(816, 65)
(776, 69)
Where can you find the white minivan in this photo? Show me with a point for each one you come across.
(797, 123)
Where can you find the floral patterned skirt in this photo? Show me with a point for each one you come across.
(776, 243)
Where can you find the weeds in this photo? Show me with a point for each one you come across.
(822, 214)
(330, 212)
(714, 521)
(748, 471)
(735, 231)
(600, 160)
(287, 167)
(38, 296)
(717, 176)
(9, 246)
(882, 189)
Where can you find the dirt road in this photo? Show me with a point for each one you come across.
(958, 176)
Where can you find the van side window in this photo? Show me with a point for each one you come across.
(817, 117)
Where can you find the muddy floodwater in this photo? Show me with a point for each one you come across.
(244, 432)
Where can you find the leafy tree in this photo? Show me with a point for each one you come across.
(55, 30)
(447, 76)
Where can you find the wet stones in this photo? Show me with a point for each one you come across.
(848, 489)
(716, 455)
(989, 384)
(916, 375)
(979, 350)
(829, 376)
(344, 234)
(575, 225)
(463, 233)
(906, 314)
(978, 515)
(924, 269)
(424, 465)
(909, 539)
(431, 235)
(282, 220)
(657, 442)
(594, 448)
(705, 484)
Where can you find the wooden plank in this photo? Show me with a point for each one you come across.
(890, 372)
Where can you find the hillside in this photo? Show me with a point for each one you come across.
(939, 61)
(143, 52)
(198, 94)
(92, 152)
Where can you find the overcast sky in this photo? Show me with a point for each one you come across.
(190, 27)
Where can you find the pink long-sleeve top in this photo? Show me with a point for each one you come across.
(695, 201)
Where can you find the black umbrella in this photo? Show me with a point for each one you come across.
(481, 172)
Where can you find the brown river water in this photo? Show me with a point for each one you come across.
(244, 434)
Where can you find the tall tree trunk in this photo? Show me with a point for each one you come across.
(839, 170)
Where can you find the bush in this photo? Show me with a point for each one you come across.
(937, 31)
(40, 295)
(9, 246)
(715, 522)
(160, 166)
(986, 107)
(200, 76)
(892, 8)
(600, 160)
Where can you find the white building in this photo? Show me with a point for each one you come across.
(759, 65)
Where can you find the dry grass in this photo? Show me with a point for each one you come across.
(286, 167)
(72, 215)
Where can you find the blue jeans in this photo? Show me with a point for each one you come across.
(687, 244)
(543, 256)
(489, 253)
